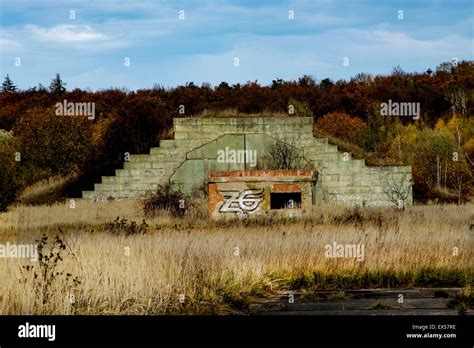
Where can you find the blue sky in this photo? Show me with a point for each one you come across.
(90, 50)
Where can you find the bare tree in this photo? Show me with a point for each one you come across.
(397, 188)
(285, 155)
(458, 100)
(460, 179)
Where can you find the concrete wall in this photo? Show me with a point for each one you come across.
(189, 158)
(242, 193)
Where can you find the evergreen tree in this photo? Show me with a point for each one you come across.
(41, 88)
(8, 86)
(57, 85)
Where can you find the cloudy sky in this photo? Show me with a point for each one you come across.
(89, 46)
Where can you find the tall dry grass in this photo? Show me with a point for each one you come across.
(219, 267)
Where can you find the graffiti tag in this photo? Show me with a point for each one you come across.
(241, 202)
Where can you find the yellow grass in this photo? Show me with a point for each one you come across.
(44, 189)
(210, 263)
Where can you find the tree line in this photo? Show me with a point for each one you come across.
(36, 144)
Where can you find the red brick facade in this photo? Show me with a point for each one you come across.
(245, 192)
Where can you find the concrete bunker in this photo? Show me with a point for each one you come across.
(248, 192)
(206, 145)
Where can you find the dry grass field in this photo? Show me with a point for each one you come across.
(191, 265)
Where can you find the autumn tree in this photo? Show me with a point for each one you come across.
(460, 179)
(458, 99)
(306, 80)
(468, 150)
(400, 145)
(52, 145)
(132, 121)
(299, 109)
(343, 126)
(432, 157)
(9, 180)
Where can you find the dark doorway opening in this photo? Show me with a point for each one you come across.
(285, 200)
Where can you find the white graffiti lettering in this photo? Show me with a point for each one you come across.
(241, 202)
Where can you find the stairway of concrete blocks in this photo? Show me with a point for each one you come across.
(187, 160)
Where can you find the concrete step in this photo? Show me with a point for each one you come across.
(342, 167)
(169, 151)
(244, 127)
(126, 187)
(291, 136)
(323, 141)
(170, 166)
(359, 163)
(303, 143)
(332, 148)
(315, 149)
(141, 158)
(110, 195)
(154, 158)
(196, 134)
(184, 143)
(132, 179)
(105, 196)
(144, 172)
(327, 157)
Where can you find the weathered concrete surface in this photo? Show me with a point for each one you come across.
(359, 302)
(248, 192)
(187, 160)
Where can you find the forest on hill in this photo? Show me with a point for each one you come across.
(36, 144)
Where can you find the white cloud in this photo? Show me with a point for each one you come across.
(391, 42)
(200, 48)
(67, 33)
(264, 58)
(7, 45)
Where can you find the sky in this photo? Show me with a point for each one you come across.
(171, 43)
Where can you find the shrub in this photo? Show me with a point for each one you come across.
(49, 269)
(122, 226)
(5, 137)
(166, 198)
(201, 191)
(463, 301)
(284, 155)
